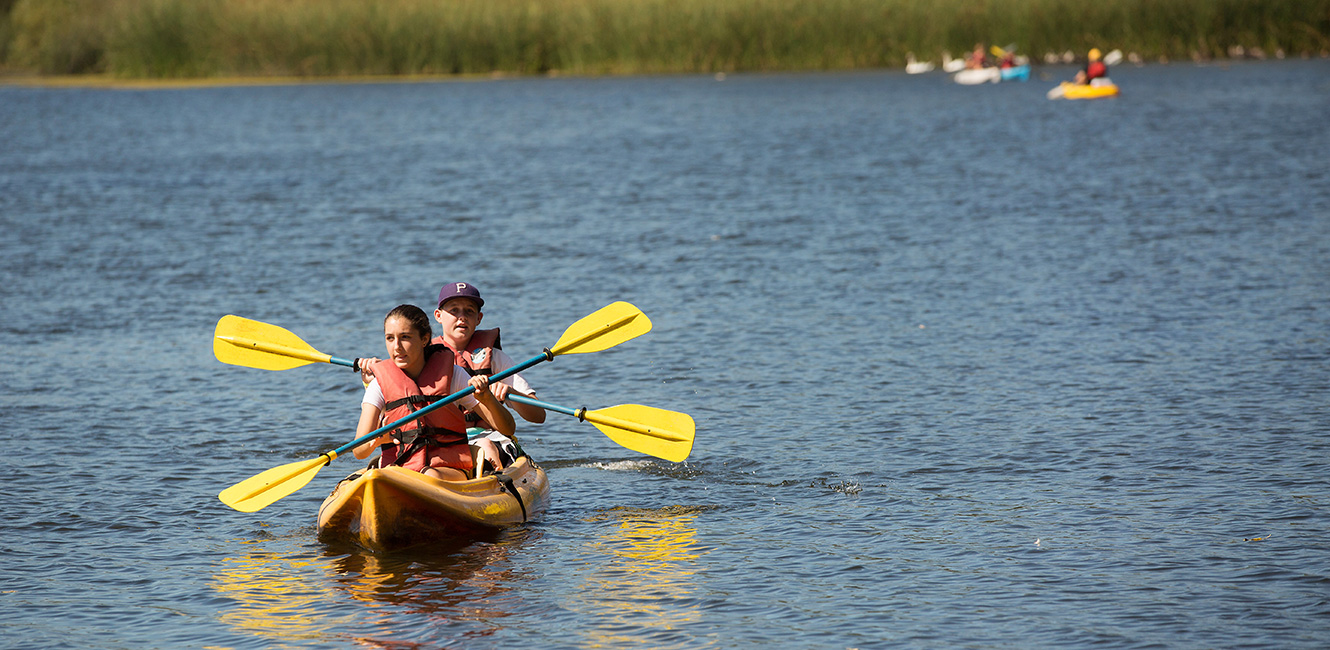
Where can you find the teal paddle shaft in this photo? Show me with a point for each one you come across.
(523, 399)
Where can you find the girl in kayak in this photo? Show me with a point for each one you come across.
(415, 374)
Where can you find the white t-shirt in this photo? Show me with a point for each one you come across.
(503, 362)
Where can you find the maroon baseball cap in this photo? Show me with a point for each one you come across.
(460, 290)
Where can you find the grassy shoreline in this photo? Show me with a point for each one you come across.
(263, 40)
(108, 82)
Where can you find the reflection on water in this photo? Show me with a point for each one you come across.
(448, 591)
(644, 587)
(429, 594)
(274, 597)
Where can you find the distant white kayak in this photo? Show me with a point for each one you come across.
(951, 65)
(974, 77)
(913, 66)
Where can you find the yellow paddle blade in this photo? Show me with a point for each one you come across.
(606, 328)
(648, 430)
(244, 342)
(262, 490)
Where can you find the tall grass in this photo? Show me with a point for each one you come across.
(199, 38)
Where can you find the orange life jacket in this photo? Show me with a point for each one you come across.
(477, 358)
(444, 427)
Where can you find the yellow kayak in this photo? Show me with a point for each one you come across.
(395, 507)
(1068, 90)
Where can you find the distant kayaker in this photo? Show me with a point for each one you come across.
(1094, 68)
(978, 59)
(416, 371)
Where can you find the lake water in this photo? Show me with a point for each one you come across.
(970, 368)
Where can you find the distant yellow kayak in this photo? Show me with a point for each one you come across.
(396, 507)
(1068, 90)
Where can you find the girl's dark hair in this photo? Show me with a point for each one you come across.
(414, 315)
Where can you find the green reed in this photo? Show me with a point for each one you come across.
(201, 38)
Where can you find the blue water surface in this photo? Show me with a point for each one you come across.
(970, 368)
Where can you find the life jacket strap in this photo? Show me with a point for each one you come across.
(404, 451)
(412, 400)
(432, 436)
(424, 437)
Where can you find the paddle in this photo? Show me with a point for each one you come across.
(606, 328)
(644, 429)
(250, 343)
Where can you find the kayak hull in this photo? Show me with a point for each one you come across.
(1016, 73)
(393, 507)
(1067, 90)
(976, 76)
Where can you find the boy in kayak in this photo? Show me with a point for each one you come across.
(477, 351)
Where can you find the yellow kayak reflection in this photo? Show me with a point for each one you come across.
(644, 580)
(436, 587)
(274, 597)
(291, 601)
